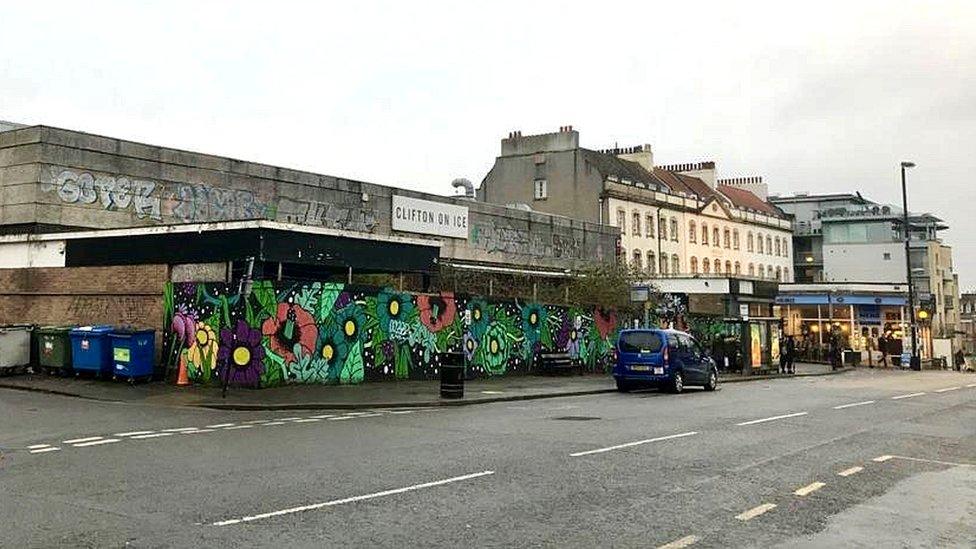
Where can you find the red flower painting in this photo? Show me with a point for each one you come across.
(606, 321)
(290, 326)
(437, 311)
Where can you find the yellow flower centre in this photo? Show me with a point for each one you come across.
(493, 346)
(328, 352)
(470, 344)
(394, 307)
(202, 337)
(350, 328)
(572, 335)
(242, 356)
(477, 314)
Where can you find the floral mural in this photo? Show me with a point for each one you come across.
(335, 333)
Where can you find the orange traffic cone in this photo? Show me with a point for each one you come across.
(182, 379)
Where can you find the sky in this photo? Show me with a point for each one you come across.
(829, 96)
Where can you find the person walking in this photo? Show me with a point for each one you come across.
(883, 347)
(789, 351)
(833, 351)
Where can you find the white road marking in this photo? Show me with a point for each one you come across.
(774, 418)
(947, 389)
(308, 420)
(220, 425)
(954, 464)
(636, 443)
(842, 406)
(271, 423)
(77, 440)
(882, 459)
(199, 431)
(491, 392)
(45, 450)
(808, 489)
(755, 511)
(354, 414)
(257, 421)
(180, 429)
(132, 433)
(323, 416)
(236, 427)
(340, 418)
(851, 471)
(96, 442)
(401, 411)
(909, 395)
(680, 543)
(370, 415)
(36, 446)
(971, 385)
(352, 499)
(288, 418)
(154, 435)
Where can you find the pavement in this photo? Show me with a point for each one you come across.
(867, 459)
(325, 397)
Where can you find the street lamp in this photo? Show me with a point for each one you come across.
(916, 362)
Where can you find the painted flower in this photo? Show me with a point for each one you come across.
(184, 326)
(494, 349)
(562, 334)
(479, 318)
(606, 321)
(349, 323)
(533, 321)
(573, 343)
(437, 311)
(392, 306)
(241, 355)
(290, 326)
(343, 300)
(332, 348)
(201, 355)
(470, 345)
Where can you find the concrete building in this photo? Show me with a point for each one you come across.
(678, 224)
(851, 274)
(92, 227)
(967, 322)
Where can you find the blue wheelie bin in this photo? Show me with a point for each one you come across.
(132, 354)
(91, 350)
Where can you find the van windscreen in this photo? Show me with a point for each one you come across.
(640, 342)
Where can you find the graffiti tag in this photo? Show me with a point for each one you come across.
(199, 203)
(112, 193)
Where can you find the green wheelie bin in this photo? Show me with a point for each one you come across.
(54, 349)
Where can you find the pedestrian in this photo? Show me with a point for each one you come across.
(883, 347)
(833, 351)
(789, 351)
(960, 360)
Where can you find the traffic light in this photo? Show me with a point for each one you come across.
(925, 310)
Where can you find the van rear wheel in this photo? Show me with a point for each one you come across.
(712, 382)
(677, 383)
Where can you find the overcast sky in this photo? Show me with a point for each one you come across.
(830, 96)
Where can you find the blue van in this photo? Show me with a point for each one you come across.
(662, 358)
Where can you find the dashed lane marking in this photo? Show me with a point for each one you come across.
(882, 459)
(288, 418)
(401, 411)
(307, 420)
(971, 385)
(851, 471)
(97, 442)
(198, 431)
(36, 446)
(947, 389)
(220, 425)
(340, 418)
(808, 489)
(680, 543)
(774, 418)
(755, 511)
(180, 429)
(923, 460)
(909, 395)
(45, 450)
(132, 433)
(370, 415)
(257, 421)
(77, 440)
(352, 499)
(236, 427)
(635, 443)
(842, 406)
(153, 435)
(323, 416)
(272, 423)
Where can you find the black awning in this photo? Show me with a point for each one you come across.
(273, 245)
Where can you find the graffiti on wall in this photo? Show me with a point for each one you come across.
(333, 333)
(191, 203)
(112, 193)
(350, 217)
(512, 240)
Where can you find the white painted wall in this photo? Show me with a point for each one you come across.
(864, 262)
(21, 255)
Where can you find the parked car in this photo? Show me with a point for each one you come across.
(668, 359)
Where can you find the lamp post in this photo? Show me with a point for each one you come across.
(916, 362)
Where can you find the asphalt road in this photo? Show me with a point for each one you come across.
(753, 464)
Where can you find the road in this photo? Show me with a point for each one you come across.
(869, 459)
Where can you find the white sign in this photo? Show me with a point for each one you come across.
(413, 215)
(744, 311)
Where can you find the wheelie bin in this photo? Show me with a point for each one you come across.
(91, 351)
(15, 344)
(54, 349)
(132, 354)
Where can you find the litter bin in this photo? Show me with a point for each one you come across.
(452, 375)
(91, 350)
(15, 345)
(54, 349)
(852, 357)
(132, 354)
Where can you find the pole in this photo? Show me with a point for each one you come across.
(916, 363)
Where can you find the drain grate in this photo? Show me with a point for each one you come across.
(575, 418)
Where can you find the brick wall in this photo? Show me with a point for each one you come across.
(130, 295)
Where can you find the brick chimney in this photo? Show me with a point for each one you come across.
(753, 184)
(641, 154)
(702, 170)
(566, 139)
